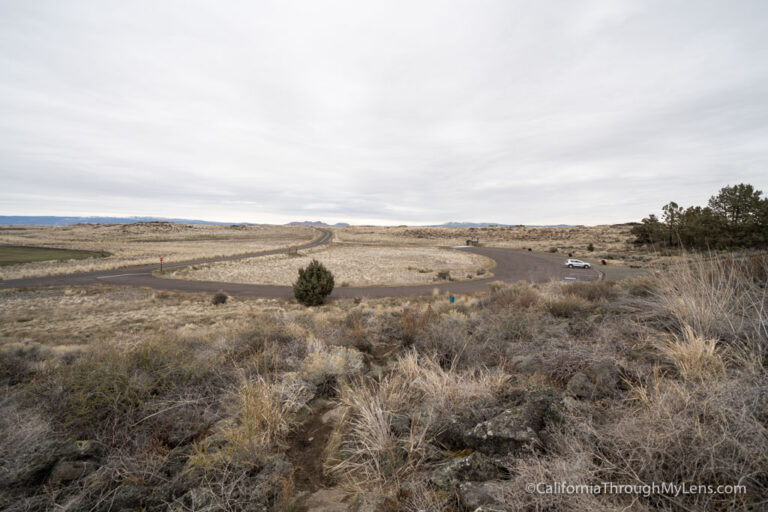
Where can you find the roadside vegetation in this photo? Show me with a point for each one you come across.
(735, 218)
(16, 254)
(131, 399)
(356, 265)
(140, 243)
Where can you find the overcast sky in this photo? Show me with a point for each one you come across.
(533, 112)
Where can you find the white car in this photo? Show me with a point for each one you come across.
(571, 263)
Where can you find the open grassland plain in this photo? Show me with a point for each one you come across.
(143, 243)
(610, 242)
(351, 265)
(15, 254)
(114, 399)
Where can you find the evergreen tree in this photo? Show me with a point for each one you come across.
(314, 284)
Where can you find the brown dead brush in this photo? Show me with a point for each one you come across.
(591, 291)
(694, 357)
(726, 302)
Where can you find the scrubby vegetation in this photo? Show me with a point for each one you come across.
(314, 284)
(737, 217)
(387, 405)
(219, 298)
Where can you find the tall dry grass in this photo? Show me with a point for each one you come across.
(695, 357)
(372, 453)
(718, 299)
(259, 426)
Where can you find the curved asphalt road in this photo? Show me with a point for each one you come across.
(511, 265)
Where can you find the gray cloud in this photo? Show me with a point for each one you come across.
(529, 112)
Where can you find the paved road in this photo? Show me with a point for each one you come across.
(511, 265)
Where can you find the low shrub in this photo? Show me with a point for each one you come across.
(511, 325)
(268, 345)
(413, 322)
(106, 387)
(710, 434)
(568, 306)
(17, 361)
(640, 286)
(325, 365)
(447, 340)
(219, 298)
(314, 284)
(518, 295)
(356, 331)
(591, 291)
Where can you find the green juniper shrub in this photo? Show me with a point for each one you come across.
(107, 387)
(314, 284)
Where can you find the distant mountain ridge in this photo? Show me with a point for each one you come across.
(316, 223)
(490, 224)
(24, 220)
(52, 220)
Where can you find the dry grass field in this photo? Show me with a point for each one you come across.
(351, 265)
(127, 399)
(611, 242)
(142, 243)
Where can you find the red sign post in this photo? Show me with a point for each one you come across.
(161, 264)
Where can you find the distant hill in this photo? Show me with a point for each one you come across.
(465, 225)
(21, 220)
(489, 224)
(316, 223)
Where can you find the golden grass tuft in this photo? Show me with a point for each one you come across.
(370, 454)
(715, 299)
(430, 383)
(259, 427)
(694, 357)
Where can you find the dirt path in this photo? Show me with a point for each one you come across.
(306, 452)
(511, 265)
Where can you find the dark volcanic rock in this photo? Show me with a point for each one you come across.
(372, 502)
(596, 381)
(580, 386)
(528, 365)
(67, 470)
(475, 496)
(182, 425)
(476, 467)
(59, 458)
(450, 431)
(128, 496)
(515, 429)
(605, 376)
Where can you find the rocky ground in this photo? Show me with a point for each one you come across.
(388, 405)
